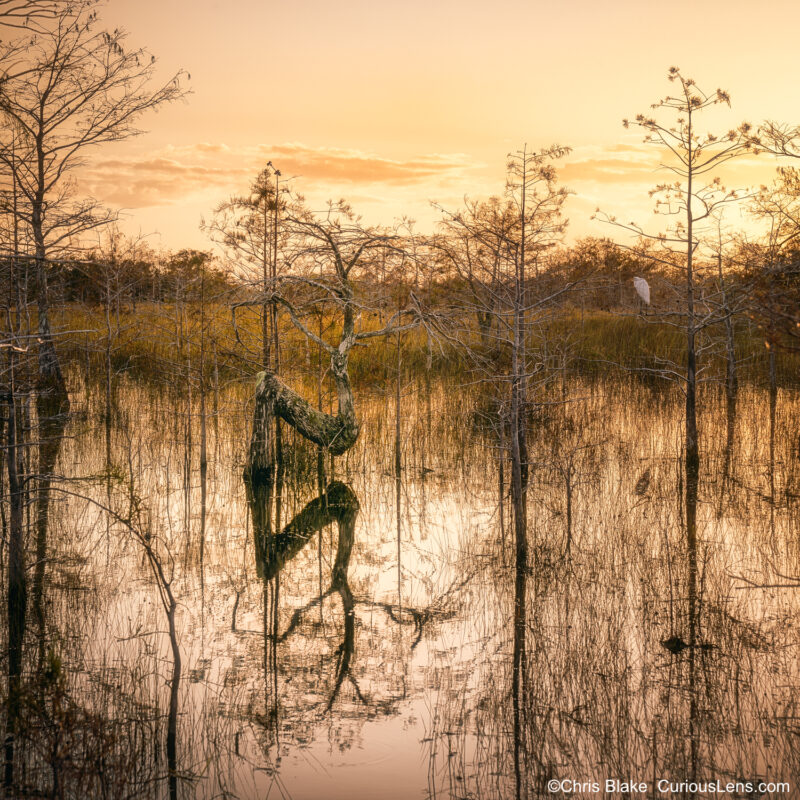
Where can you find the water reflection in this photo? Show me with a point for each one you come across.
(52, 413)
(519, 671)
(51, 417)
(337, 504)
(16, 594)
(730, 434)
(627, 645)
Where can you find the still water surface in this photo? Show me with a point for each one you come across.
(383, 651)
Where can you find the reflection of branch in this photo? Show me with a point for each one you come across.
(754, 585)
(170, 605)
(337, 504)
(297, 616)
(418, 618)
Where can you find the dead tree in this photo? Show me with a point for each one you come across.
(65, 89)
(506, 241)
(339, 246)
(695, 199)
(30, 14)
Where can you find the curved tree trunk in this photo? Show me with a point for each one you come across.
(274, 399)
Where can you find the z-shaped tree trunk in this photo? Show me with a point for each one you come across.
(275, 400)
(341, 242)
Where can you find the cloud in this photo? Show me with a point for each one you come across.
(353, 166)
(168, 176)
(619, 163)
(626, 164)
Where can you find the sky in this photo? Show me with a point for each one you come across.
(395, 105)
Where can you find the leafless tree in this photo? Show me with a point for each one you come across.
(326, 255)
(779, 139)
(248, 229)
(65, 89)
(29, 14)
(497, 247)
(473, 242)
(775, 261)
(693, 200)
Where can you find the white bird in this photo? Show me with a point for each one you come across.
(642, 289)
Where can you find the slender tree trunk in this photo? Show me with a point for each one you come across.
(731, 382)
(276, 358)
(692, 447)
(51, 412)
(108, 389)
(321, 482)
(51, 379)
(694, 611)
(187, 449)
(568, 486)
(216, 409)
(518, 499)
(203, 438)
(692, 459)
(398, 466)
(174, 687)
(501, 478)
(773, 405)
(519, 467)
(518, 682)
(731, 378)
(266, 306)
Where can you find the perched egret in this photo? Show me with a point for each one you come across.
(642, 289)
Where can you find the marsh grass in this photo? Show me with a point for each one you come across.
(571, 342)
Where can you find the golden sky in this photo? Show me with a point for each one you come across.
(394, 104)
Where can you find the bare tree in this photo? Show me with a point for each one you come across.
(29, 13)
(474, 243)
(779, 139)
(498, 246)
(775, 262)
(337, 245)
(64, 90)
(247, 228)
(692, 200)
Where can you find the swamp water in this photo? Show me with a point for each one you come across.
(394, 656)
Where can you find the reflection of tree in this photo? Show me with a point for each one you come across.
(338, 504)
(66, 737)
(639, 657)
(52, 413)
(52, 421)
(16, 600)
(518, 683)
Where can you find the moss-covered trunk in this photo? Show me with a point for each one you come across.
(274, 399)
